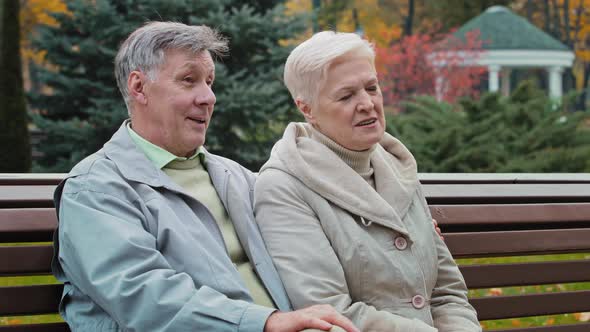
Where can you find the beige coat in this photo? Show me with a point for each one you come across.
(372, 254)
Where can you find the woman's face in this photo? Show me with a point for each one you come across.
(349, 106)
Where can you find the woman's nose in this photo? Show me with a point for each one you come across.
(365, 102)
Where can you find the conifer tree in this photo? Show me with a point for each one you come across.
(84, 108)
(525, 132)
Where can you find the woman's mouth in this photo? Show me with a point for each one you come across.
(365, 123)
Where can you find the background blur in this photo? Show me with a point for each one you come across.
(457, 110)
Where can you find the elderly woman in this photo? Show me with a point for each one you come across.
(340, 206)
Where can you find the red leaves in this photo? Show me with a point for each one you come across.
(413, 65)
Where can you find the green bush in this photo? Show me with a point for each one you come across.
(525, 132)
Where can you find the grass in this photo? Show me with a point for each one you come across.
(537, 320)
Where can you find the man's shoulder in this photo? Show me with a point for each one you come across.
(231, 165)
(93, 172)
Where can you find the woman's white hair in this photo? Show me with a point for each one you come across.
(145, 48)
(307, 64)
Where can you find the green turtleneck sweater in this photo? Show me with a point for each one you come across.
(191, 175)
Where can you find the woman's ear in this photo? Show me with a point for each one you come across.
(136, 87)
(306, 110)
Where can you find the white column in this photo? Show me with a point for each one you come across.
(493, 81)
(439, 85)
(505, 81)
(555, 84)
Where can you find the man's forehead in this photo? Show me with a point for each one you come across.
(190, 60)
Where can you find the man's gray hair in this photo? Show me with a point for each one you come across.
(145, 48)
(306, 65)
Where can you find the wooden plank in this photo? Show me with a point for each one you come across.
(26, 196)
(506, 193)
(510, 214)
(582, 327)
(499, 307)
(30, 300)
(521, 274)
(25, 260)
(27, 225)
(508, 243)
(31, 178)
(481, 178)
(48, 327)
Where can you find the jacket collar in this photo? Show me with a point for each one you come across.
(134, 165)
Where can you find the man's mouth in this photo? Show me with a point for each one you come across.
(367, 122)
(198, 120)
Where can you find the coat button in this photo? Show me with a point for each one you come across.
(400, 243)
(418, 301)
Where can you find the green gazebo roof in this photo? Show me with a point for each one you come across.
(501, 29)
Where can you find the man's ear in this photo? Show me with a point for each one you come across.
(306, 110)
(136, 87)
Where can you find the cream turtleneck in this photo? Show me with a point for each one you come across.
(359, 161)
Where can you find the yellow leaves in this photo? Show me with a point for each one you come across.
(582, 316)
(495, 292)
(33, 13)
(375, 21)
(293, 7)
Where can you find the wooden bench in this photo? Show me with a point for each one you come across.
(482, 215)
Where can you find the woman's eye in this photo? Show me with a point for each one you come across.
(345, 98)
(372, 88)
(188, 79)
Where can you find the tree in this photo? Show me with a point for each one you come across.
(15, 151)
(451, 14)
(522, 133)
(409, 67)
(84, 107)
(569, 22)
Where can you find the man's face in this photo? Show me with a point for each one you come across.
(349, 106)
(179, 102)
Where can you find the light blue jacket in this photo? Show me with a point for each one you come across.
(136, 253)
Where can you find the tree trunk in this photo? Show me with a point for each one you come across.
(316, 4)
(15, 150)
(547, 15)
(529, 10)
(409, 22)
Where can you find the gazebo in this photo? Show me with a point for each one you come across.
(511, 41)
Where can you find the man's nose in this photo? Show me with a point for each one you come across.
(205, 96)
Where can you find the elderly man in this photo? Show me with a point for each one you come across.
(157, 234)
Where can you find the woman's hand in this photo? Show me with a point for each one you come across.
(437, 229)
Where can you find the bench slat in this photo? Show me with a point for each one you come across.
(507, 243)
(49, 327)
(499, 307)
(25, 260)
(583, 327)
(482, 178)
(27, 225)
(46, 327)
(26, 196)
(30, 300)
(506, 193)
(521, 274)
(510, 214)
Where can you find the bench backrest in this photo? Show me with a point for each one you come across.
(481, 216)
